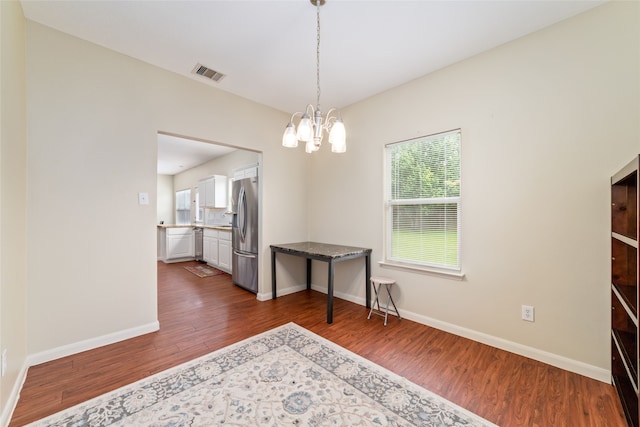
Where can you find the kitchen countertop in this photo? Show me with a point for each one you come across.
(211, 227)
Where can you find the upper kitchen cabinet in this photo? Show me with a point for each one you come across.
(213, 192)
(246, 172)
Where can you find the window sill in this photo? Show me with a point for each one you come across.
(455, 275)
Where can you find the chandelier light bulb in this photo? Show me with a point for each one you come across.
(289, 139)
(305, 129)
(338, 137)
(310, 147)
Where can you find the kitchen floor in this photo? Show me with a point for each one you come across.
(199, 315)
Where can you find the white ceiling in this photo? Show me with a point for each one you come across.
(267, 48)
(177, 155)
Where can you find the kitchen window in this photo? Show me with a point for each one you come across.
(199, 208)
(183, 207)
(423, 203)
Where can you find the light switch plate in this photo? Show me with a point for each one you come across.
(143, 198)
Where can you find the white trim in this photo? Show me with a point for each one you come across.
(14, 395)
(63, 351)
(624, 362)
(449, 274)
(624, 305)
(629, 241)
(341, 295)
(425, 201)
(265, 296)
(90, 344)
(552, 359)
(627, 170)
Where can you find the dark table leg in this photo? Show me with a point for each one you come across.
(330, 294)
(367, 280)
(308, 273)
(273, 274)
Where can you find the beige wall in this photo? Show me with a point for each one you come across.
(224, 165)
(13, 207)
(165, 199)
(545, 120)
(92, 148)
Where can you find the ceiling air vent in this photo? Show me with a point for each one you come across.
(207, 72)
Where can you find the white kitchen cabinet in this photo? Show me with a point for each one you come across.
(216, 249)
(177, 243)
(210, 247)
(213, 192)
(248, 172)
(224, 251)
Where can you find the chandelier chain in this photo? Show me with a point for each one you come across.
(318, 54)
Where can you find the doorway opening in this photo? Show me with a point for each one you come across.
(187, 166)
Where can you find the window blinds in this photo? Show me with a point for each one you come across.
(423, 200)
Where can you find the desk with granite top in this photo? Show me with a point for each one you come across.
(323, 252)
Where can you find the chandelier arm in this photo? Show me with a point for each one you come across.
(310, 107)
(329, 120)
(297, 113)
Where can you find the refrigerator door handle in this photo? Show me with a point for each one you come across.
(242, 213)
(244, 255)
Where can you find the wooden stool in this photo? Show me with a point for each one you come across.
(379, 281)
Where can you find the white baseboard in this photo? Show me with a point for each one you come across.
(14, 395)
(265, 296)
(552, 359)
(69, 349)
(63, 351)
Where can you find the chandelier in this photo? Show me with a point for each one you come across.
(312, 125)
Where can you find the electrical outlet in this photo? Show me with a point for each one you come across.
(528, 313)
(3, 364)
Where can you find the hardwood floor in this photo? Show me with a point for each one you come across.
(199, 315)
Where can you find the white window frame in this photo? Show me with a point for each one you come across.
(199, 211)
(389, 204)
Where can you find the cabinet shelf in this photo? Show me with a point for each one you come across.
(624, 205)
(626, 344)
(629, 296)
(624, 289)
(623, 387)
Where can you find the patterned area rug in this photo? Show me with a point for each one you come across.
(284, 377)
(203, 270)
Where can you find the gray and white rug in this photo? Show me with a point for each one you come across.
(288, 376)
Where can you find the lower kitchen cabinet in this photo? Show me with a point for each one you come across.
(210, 247)
(177, 244)
(224, 251)
(216, 250)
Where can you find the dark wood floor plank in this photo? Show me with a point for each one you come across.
(200, 315)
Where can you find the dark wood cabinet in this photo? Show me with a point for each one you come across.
(624, 288)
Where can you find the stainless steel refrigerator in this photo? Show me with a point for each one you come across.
(244, 205)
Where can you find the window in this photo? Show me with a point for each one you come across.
(183, 207)
(199, 208)
(423, 202)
